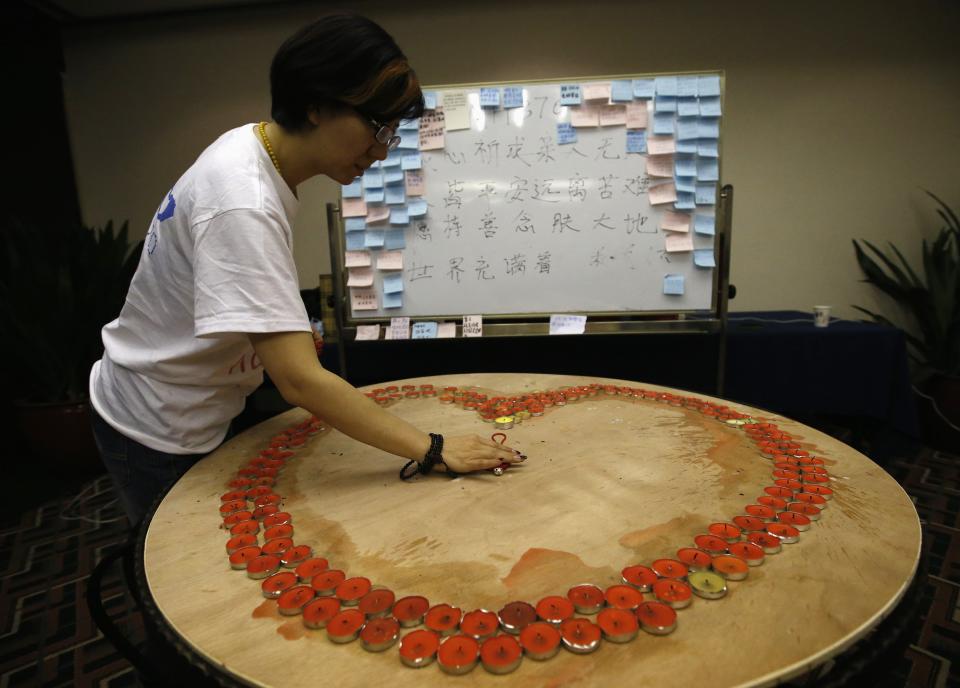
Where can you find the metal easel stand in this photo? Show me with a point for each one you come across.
(725, 290)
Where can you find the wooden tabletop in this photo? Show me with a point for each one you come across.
(609, 482)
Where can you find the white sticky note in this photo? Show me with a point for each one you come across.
(599, 90)
(613, 115)
(392, 283)
(663, 193)
(677, 242)
(390, 260)
(637, 115)
(456, 111)
(472, 326)
(356, 259)
(673, 284)
(424, 330)
(675, 222)
(660, 165)
(354, 207)
(704, 224)
(368, 333)
(568, 324)
(399, 328)
(703, 258)
(364, 299)
(447, 330)
(360, 277)
(413, 180)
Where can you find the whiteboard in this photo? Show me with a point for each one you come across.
(518, 223)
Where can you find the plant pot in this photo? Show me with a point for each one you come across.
(939, 409)
(59, 435)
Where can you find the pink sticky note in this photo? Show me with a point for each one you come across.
(414, 182)
(585, 115)
(663, 193)
(613, 115)
(354, 207)
(675, 222)
(356, 259)
(660, 165)
(377, 213)
(360, 277)
(390, 260)
(597, 91)
(676, 242)
(363, 299)
(661, 145)
(637, 115)
(432, 128)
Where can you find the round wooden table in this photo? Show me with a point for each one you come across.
(610, 482)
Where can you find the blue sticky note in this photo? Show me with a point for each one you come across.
(356, 241)
(685, 184)
(376, 164)
(708, 128)
(685, 201)
(673, 284)
(708, 170)
(373, 195)
(710, 107)
(430, 100)
(399, 216)
(566, 133)
(354, 189)
(685, 167)
(424, 330)
(704, 224)
(688, 107)
(636, 141)
(706, 194)
(686, 146)
(643, 88)
(393, 176)
(687, 86)
(392, 282)
(665, 104)
(406, 124)
(621, 91)
(703, 258)
(394, 239)
(663, 123)
(373, 179)
(412, 161)
(373, 238)
(570, 94)
(409, 139)
(489, 97)
(687, 128)
(394, 300)
(394, 158)
(512, 97)
(396, 195)
(355, 224)
(708, 86)
(708, 148)
(666, 85)
(417, 207)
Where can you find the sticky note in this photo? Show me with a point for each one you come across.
(706, 194)
(417, 207)
(708, 86)
(643, 88)
(673, 285)
(637, 115)
(373, 179)
(512, 97)
(356, 259)
(424, 330)
(687, 146)
(489, 97)
(708, 170)
(364, 299)
(708, 149)
(360, 277)
(399, 216)
(394, 239)
(666, 85)
(373, 195)
(392, 283)
(710, 107)
(394, 300)
(703, 258)
(665, 104)
(396, 195)
(394, 158)
(688, 107)
(675, 242)
(660, 165)
(406, 124)
(661, 145)
(708, 127)
(355, 224)
(585, 116)
(472, 326)
(663, 123)
(432, 128)
(613, 115)
(430, 100)
(354, 207)
(621, 91)
(567, 324)
(399, 328)
(409, 139)
(393, 176)
(356, 241)
(687, 86)
(411, 161)
(368, 333)
(636, 141)
(570, 94)
(663, 193)
(413, 180)
(598, 90)
(675, 222)
(685, 184)
(456, 110)
(447, 330)
(377, 213)
(685, 167)
(704, 224)
(566, 133)
(354, 189)
(687, 128)
(685, 201)
(373, 238)
(390, 260)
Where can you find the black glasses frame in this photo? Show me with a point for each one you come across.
(385, 134)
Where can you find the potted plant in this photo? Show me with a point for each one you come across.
(58, 287)
(930, 304)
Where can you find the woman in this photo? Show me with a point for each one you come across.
(215, 299)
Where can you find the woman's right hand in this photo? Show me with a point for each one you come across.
(467, 453)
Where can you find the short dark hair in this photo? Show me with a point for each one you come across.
(342, 59)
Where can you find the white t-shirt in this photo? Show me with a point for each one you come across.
(217, 264)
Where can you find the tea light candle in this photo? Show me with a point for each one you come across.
(479, 624)
(785, 532)
(791, 518)
(277, 518)
(540, 640)
(277, 546)
(669, 568)
(261, 512)
(618, 625)
(503, 422)
(775, 503)
(580, 636)
(237, 517)
(310, 568)
(777, 491)
(812, 499)
(555, 609)
(820, 490)
(273, 586)
(730, 567)
(749, 552)
(379, 634)
(657, 618)
(318, 612)
(419, 648)
(268, 499)
(376, 603)
(409, 610)
(674, 592)
(345, 626)
(516, 616)
(639, 576)
(243, 556)
(233, 496)
(239, 483)
(245, 528)
(262, 566)
(295, 556)
(587, 598)
(695, 559)
(228, 508)
(811, 511)
(239, 542)
(770, 544)
(326, 582)
(819, 479)
(351, 590)
(707, 585)
(727, 531)
(291, 601)
(750, 524)
(623, 597)
(443, 619)
(760, 511)
(458, 654)
(711, 544)
(501, 654)
(282, 531)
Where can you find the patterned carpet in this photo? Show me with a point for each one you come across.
(47, 553)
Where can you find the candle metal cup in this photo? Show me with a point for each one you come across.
(284, 530)
(769, 543)
(458, 654)
(277, 546)
(811, 511)
(377, 603)
(318, 611)
(791, 518)
(409, 611)
(277, 584)
(245, 528)
(669, 568)
(277, 518)
(587, 598)
(580, 636)
(787, 533)
(555, 609)
(516, 616)
(727, 531)
(623, 597)
(443, 619)
(707, 585)
(311, 567)
(295, 556)
(639, 576)
(291, 601)
(711, 544)
(345, 626)
(730, 567)
(419, 648)
(694, 559)
(750, 552)
(657, 618)
(379, 634)
(501, 654)
(775, 503)
(262, 566)
(239, 542)
(326, 582)
(540, 640)
(351, 590)
(673, 592)
(750, 524)
(479, 624)
(618, 625)
(820, 490)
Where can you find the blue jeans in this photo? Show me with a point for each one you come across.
(140, 474)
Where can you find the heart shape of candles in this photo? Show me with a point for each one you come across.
(797, 496)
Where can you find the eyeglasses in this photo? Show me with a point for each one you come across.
(385, 135)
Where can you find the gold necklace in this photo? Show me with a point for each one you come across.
(262, 128)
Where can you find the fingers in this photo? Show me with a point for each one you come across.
(504, 453)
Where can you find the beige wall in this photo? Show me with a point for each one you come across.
(834, 118)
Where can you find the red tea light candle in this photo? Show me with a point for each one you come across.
(516, 616)
(777, 491)
(233, 496)
(377, 603)
(284, 530)
(580, 636)
(277, 546)
(707, 584)
(813, 470)
(479, 624)
(264, 500)
(711, 544)
(318, 611)
(674, 592)
(814, 499)
(669, 568)
(639, 576)
(277, 519)
(794, 485)
(250, 527)
(775, 503)
(501, 654)
(228, 508)
(657, 618)
(379, 634)
(240, 541)
(458, 654)
(811, 511)
(750, 524)
(295, 556)
(242, 556)
(727, 531)
(263, 566)
(261, 512)
(819, 490)
(760, 511)
(239, 483)
(291, 601)
(730, 567)
(786, 475)
(540, 640)
(443, 619)
(265, 480)
(409, 611)
(311, 567)
(623, 597)
(770, 544)
(555, 609)
(278, 583)
(618, 625)
(695, 559)
(588, 599)
(419, 648)
(326, 582)
(818, 479)
(345, 626)
(446, 399)
(748, 551)
(791, 518)
(350, 590)
(258, 491)
(786, 533)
